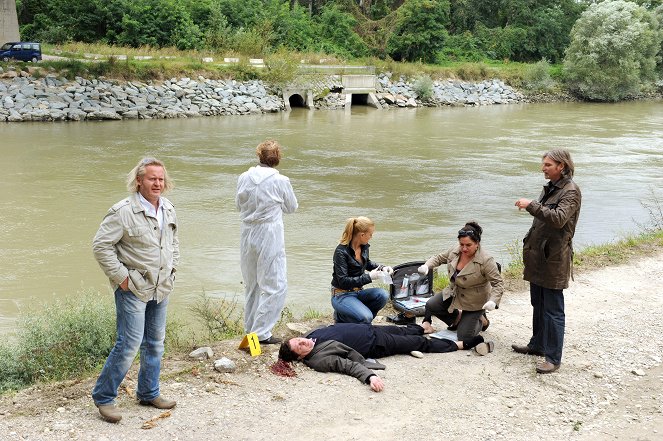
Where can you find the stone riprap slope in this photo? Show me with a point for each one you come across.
(27, 98)
(56, 99)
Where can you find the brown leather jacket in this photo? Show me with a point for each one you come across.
(548, 245)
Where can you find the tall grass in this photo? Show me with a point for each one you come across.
(64, 339)
(221, 318)
(170, 62)
(68, 338)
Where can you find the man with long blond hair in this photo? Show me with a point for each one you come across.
(138, 249)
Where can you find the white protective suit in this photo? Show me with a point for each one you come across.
(263, 195)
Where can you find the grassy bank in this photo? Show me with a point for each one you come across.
(146, 63)
(72, 338)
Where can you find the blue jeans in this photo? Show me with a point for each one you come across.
(548, 322)
(139, 326)
(359, 306)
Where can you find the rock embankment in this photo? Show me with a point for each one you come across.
(25, 97)
(56, 99)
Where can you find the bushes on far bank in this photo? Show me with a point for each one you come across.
(612, 56)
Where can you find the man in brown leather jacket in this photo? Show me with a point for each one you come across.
(548, 257)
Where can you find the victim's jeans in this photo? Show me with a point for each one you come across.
(141, 326)
(548, 322)
(359, 306)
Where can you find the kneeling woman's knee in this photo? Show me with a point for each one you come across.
(382, 295)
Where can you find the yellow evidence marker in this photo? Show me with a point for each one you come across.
(251, 341)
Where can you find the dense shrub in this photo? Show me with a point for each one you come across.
(66, 339)
(537, 77)
(613, 51)
(61, 340)
(423, 87)
(337, 33)
(501, 43)
(462, 47)
(420, 31)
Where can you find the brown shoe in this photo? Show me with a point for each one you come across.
(546, 367)
(526, 350)
(160, 403)
(109, 412)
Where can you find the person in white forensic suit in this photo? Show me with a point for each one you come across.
(263, 195)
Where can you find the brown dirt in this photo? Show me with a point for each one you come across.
(609, 386)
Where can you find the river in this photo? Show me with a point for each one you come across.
(418, 173)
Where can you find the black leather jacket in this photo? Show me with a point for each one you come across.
(348, 273)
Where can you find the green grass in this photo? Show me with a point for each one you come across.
(169, 62)
(68, 338)
(62, 340)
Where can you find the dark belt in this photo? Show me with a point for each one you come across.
(338, 291)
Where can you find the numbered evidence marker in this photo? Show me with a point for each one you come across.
(251, 341)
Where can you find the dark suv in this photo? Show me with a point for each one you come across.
(21, 50)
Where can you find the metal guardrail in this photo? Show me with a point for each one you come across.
(336, 69)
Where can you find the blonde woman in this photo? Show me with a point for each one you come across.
(353, 269)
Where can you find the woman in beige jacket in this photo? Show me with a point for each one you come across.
(475, 285)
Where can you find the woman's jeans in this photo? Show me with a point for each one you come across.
(141, 326)
(359, 306)
(548, 322)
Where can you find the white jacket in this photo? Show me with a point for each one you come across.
(263, 195)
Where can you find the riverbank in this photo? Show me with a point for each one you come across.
(607, 389)
(27, 96)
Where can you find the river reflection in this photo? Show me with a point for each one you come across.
(419, 173)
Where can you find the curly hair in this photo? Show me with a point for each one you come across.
(269, 153)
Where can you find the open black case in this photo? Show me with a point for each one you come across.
(410, 290)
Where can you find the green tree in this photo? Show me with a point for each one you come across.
(158, 23)
(420, 31)
(613, 50)
(291, 28)
(337, 33)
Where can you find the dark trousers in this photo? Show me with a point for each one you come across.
(470, 322)
(392, 340)
(548, 322)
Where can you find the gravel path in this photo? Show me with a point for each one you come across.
(610, 386)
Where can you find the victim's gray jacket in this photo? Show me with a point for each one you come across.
(333, 356)
(130, 244)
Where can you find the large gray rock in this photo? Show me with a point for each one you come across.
(103, 114)
(202, 353)
(224, 365)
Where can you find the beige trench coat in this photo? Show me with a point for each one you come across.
(479, 281)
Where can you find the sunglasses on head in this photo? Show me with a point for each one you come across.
(468, 233)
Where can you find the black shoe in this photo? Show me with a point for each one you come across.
(402, 319)
(271, 341)
(472, 342)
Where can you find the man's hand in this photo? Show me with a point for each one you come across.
(389, 270)
(376, 383)
(125, 285)
(423, 269)
(522, 203)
